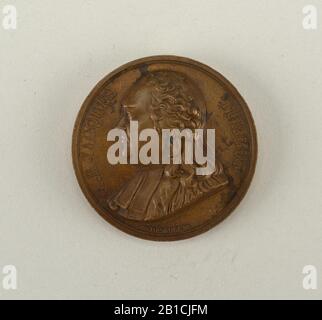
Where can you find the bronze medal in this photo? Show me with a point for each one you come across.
(164, 199)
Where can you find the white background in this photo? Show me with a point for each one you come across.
(61, 247)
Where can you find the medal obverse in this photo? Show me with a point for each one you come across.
(164, 148)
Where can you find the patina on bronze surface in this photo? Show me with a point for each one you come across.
(164, 202)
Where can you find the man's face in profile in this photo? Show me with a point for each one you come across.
(137, 107)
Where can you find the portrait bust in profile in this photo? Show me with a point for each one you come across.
(164, 100)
